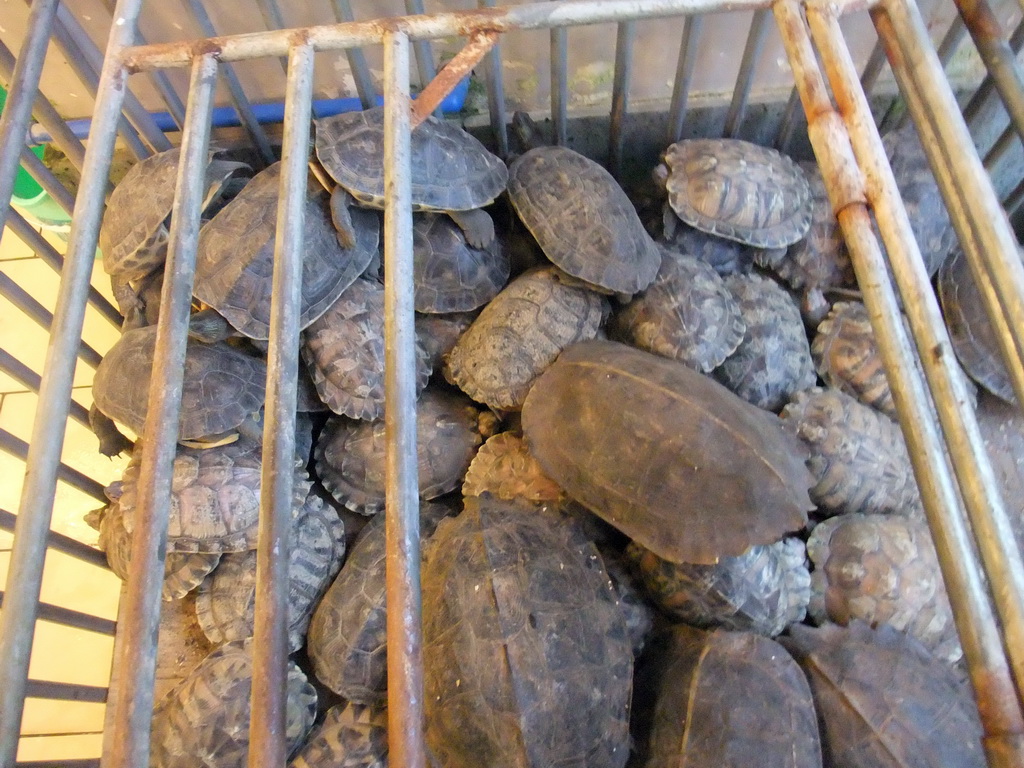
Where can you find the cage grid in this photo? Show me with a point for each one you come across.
(962, 501)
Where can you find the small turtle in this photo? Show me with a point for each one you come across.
(729, 699)
(726, 257)
(350, 454)
(764, 590)
(221, 387)
(526, 656)
(449, 274)
(519, 334)
(774, 358)
(737, 190)
(504, 468)
(882, 569)
(350, 736)
(135, 228)
(452, 172)
(344, 353)
(437, 334)
(668, 456)
(235, 256)
(203, 722)
(883, 700)
(347, 643)
(858, 455)
(226, 600)
(686, 314)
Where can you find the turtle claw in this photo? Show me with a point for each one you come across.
(112, 442)
(476, 225)
(340, 201)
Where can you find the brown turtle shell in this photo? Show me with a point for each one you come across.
(666, 455)
(739, 191)
(449, 274)
(181, 646)
(728, 699)
(526, 656)
(437, 334)
(350, 736)
(503, 467)
(884, 702)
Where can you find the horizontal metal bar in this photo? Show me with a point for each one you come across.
(89, 762)
(54, 691)
(66, 617)
(19, 448)
(745, 77)
(684, 76)
(16, 369)
(624, 38)
(63, 544)
(45, 178)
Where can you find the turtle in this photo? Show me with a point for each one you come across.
(629, 596)
(882, 569)
(221, 386)
(226, 600)
(344, 353)
(858, 455)
(764, 590)
(181, 646)
(686, 314)
(737, 190)
(235, 255)
(437, 334)
(773, 360)
(883, 700)
(204, 720)
(505, 468)
(519, 334)
(726, 257)
(448, 273)
(666, 455)
(452, 172)
(350, 736)
(526, 657)
(135, 228)
(350, 454)
(347, 642)
(729, 699)
(582, 219)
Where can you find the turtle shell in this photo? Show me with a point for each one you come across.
(629, 596)
(344, 353)
(858, 455)
(686, 314)
(726, 257)
(226, 600)
(882, 569)
(203, 722)
(437, 334)
(503, 467)
(350, 736)
(582, 219)
(526, 656)
(729, 699)
(764, 590)
(221, 386)
(181, 646)
(347, 642)
(708, 475)
(773, 360)
(350, 455)
(739, 191)
(884, 702)
(451, 170)
(519, 334)
(449, 274)
(235, 256)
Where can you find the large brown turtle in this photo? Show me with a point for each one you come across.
(666, 455)
(526, 656)
(350, 736)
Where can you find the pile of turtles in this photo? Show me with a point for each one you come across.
(666, 512)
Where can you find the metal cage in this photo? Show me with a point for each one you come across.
(967, 517)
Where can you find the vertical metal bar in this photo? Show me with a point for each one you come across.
(494, 75)
(745, 77)
(273, 19)
(132, 690)
(560, 82)
(790, 117)
(845, 182)
(404, 620)
(984, 92)
(873, 68)
(625, 35)
(946, 50)
(357, 59)
(424, 51)
(684, 77)
(267, 745)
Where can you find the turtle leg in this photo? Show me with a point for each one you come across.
(128, 302)
(112, 442)
(209, 327)
(340, 201)
(476, 225)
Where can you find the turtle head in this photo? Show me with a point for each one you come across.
(660, 176)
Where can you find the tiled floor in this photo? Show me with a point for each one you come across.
(57, 730)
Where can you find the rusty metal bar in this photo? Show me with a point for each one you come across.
(18, 448)
(684, 77)
(356, 59)
(423, 49)
(66, 617)
(848, 189)
(981, 96)
(58, 541)
(625, 35)
(454, 71)
(404, 615)
(267, 746)
(745, 76)
(496, 91)
(133, 688)
(560, 83)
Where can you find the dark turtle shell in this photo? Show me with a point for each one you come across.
(449, 274)
(350, 736)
